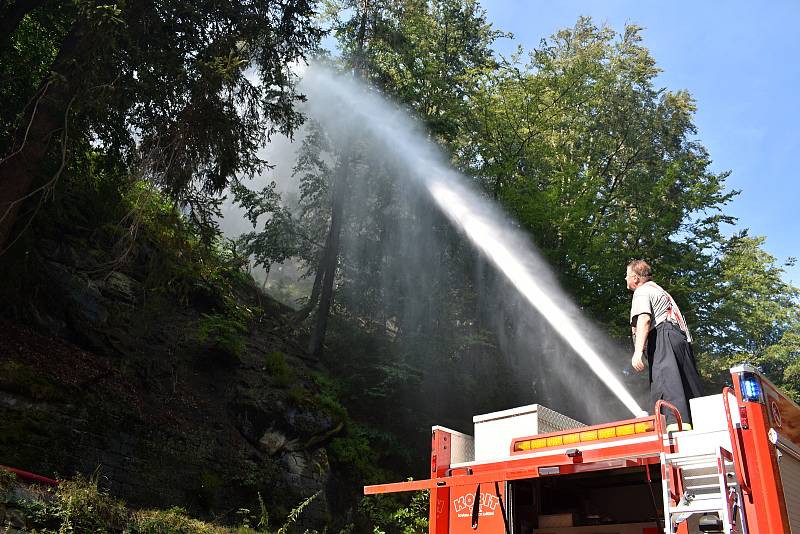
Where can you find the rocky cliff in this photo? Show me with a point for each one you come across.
(174, 402)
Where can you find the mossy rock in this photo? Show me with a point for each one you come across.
(16, 377)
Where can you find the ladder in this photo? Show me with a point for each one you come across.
(702, 484)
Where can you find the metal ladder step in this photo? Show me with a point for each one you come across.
(706, 508)
(705, 478)
(688, 487)
(706, 497)
(704, 475)
(696, 461)
(694, 464)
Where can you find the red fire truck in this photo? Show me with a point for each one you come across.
(531, 470)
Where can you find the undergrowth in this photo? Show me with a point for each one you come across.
(223, 333)
(81, 506)
(129, 226)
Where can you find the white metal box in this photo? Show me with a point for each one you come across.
(708, 413)
(462, 446)
(495, 431)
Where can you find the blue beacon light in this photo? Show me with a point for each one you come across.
(751, 388)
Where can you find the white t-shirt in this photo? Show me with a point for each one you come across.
(653, 299)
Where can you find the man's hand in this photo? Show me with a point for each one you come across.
(638, 361)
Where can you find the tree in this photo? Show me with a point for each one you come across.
(601, 166)
(167, 79)
(754, 315)
(380, 43)
(455, 40)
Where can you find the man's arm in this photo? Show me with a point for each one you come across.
(641, 330)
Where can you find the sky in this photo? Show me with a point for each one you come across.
(740, 60)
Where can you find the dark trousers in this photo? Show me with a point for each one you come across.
(673, 371)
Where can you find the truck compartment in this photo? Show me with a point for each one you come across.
(620, 501)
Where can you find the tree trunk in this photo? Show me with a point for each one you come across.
(306, 310)
(330, 256)
(329, 261)
(45, 118)
(360, 60)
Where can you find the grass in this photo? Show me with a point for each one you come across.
(80, 505)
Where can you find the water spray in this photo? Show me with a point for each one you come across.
(455, 204)
(482, 222)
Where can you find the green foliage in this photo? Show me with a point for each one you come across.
(77, 506)
(186, 261)
(787, 353)
(295, 513)
(360, 453)
(600, 166)
(277, 239)
(178, 101)
(753, 315)
(277, 366)
(224, 334)
(37, 514)
(7, 481)
(24, 65)
(453, 36)
(18, 377)
(387, 513)
(329, 396)
(183, 263)
(247, 520)
(171, 521)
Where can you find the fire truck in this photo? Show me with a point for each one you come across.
(531, 470)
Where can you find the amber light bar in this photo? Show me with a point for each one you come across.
(594, 433)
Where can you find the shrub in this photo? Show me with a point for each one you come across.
(295, 513)
(7, 481)
(328, 397)
(278, 367)
(359, 451)
(81, 506)
(78, 506)
(388, 513)
(225, 334)
(171, 521)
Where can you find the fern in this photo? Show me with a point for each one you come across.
(294, 514)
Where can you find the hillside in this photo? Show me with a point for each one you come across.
(202, 397)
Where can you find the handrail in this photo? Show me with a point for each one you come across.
(722, 456)
(449, 472)
(675, 479)
(662, 403)
(730, 498)
(30, 477)
(741, 473)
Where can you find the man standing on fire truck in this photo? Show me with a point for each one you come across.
(658, 326)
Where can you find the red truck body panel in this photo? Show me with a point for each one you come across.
(475, 497)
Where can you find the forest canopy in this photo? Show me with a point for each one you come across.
(575, 139)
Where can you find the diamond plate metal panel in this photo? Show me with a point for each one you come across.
(495, 431)
(551, 421)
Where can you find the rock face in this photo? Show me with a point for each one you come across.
(110, 377)
(121, 287)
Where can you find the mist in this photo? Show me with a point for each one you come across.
(441, 243)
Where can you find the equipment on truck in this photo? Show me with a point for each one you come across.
(531, 470)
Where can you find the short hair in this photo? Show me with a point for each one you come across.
(641, 268)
